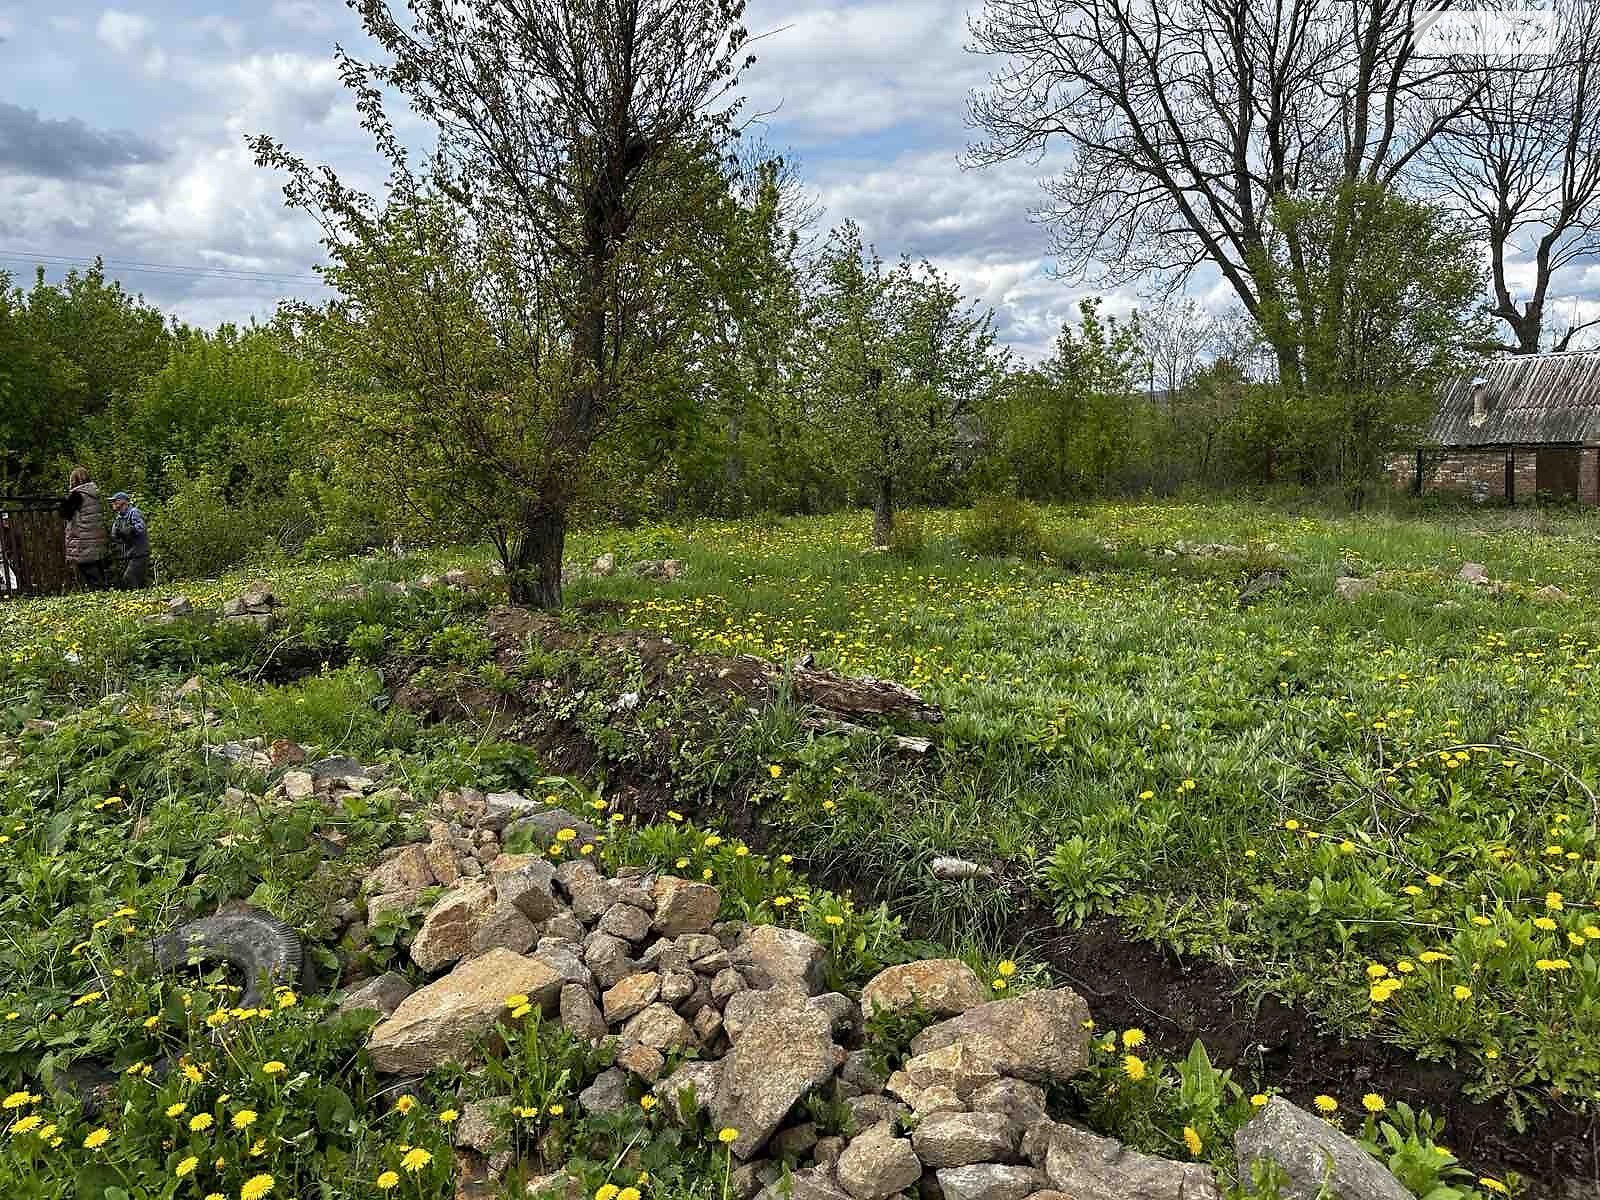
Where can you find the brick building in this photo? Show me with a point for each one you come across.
(1519, 427)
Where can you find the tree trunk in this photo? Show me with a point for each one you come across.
(535, 576)
(883, 512)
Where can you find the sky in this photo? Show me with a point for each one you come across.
(122, 135)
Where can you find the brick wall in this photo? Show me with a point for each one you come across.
(1456, 474)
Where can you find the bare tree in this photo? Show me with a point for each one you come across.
(1185, 124)
(1524, 162)
(1174, 338)
(560, 124)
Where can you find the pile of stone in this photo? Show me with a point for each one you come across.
(664, 569)
(642, 959)
(258, 607)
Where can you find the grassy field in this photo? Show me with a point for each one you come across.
(1382, 810)
(1382, 807)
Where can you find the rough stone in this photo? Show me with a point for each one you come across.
(630, 996)
(563, 958)
(626, 922)
(546, 822)
(563, 925)
(528, 883)
(725, 984)
(1551, 594)
(794, 1142)
(991, 1181)
(442, 861)
(1083, 1164)
(707, 1025)
(447, 931)
(407, 871)
(702, 1077)
(443, 1020)
(592, 902)
(944, 987)
(1474, 573)
(828, 1150)
(609, 958)
(861, 1070)
(608, 1093)
(877, 1164)
(812, 1183)
(580, 1016)
(298, 785)
(676, 987)
(383, 994)
(1040, 1037)
(777, 1061)
(477, 1128)
(769, 954)
(683, 906)
(867, 1111)
(658, 1027)
(959, 1139)
(840, 1010)
(1351, 587)
(1312, 1152)
(644, 1061)
(1021, 1103)
(745, 1008)
(503, 926)
(963, 1067)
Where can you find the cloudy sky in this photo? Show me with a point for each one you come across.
(121, 134)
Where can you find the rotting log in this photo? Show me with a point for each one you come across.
(859, 695)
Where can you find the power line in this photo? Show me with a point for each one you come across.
(240, 274)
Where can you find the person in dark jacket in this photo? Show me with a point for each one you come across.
(129, 531)
(86, 529)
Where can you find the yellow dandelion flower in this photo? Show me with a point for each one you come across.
(273, 1068)
(415, 1160)
(449, 1116)
(175, 1111)
(97, 1138)
(607, 1191)
(1133, 1067)
(388, 1181)
(201, 1122)
(18, 1100)
(244, 1118)
(1373, 1103)
(186, 1167)
(1191, 1140)
(1461, 992)
(256, 1187)
(1325, 1103)
(1259, 1100)
(405, 1104)
(728, 1135)
(1132, 1038)
(28, 1124)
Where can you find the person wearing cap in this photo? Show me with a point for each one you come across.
(128, 530)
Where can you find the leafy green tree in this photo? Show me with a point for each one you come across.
(1078, 420)
(67, 351)
(1383, 294)
(509, 304)
(904, 361)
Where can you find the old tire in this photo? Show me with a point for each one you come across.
(266, 951)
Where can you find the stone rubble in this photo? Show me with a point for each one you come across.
(641, 960)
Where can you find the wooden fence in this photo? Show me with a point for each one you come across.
(33, 556)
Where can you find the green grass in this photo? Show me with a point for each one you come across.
(1283, 780)
(1333, 796)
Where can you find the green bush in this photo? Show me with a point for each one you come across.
(1001, 525)
(196, 533)
(909, 537)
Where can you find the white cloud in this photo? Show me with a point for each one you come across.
(124, 32)
(308, 15)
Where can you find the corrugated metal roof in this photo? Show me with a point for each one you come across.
(1529, 399)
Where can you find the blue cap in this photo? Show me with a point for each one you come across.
(121, 496)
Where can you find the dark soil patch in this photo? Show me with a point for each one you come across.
(1126, 980)
(293, 662)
